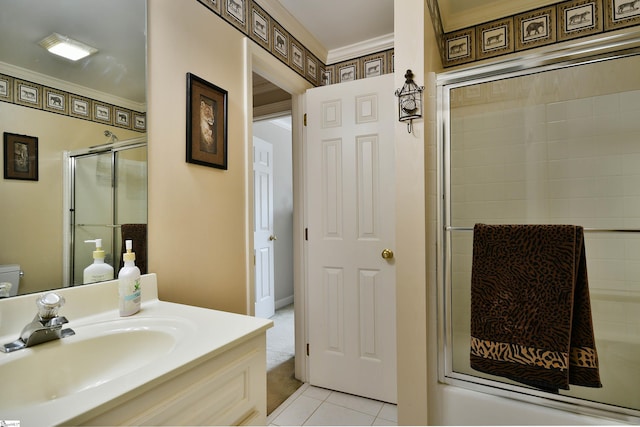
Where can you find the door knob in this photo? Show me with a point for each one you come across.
(273, 237)
(387, 253)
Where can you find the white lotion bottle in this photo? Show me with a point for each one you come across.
(99, 271)
(129, 283)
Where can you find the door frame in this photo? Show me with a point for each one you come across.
(260, 61)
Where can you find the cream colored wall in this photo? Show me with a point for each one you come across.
(415, 49)
(31, 218)
(197, 225)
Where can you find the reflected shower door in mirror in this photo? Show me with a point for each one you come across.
(108, 189)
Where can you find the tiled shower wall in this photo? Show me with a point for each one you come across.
(555, 147)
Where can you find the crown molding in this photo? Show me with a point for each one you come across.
(43, 79)
(363, 48)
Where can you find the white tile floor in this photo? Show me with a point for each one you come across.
(314, 406)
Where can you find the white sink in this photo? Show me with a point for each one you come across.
(97, 354)
(111, 359)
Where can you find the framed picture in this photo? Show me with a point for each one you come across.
(235, 12)
(28, 94)
(535, 28)
(260, 26)
(280, 43)
(55, 101)
(312, 68)
(122, 118)
(297, 56)
(459, 47)
(6, 88)
(495, 38)
(579, 18)
(206, 123)
(373, 65)
(347, 71)
(80, 107)
(213, 5)
(20, 157)
(102, 112)
(140, 121)
(621, 13)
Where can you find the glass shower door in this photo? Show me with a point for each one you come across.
(93, 189)
(130, 193)
(108, 189)
(547, 148)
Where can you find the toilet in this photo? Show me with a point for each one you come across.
(9, 274)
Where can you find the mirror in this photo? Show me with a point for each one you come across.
(61, 105)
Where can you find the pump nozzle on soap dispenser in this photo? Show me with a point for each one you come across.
(99, 252)
(129, 255)
(99, 271)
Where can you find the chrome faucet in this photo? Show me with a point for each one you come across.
(45, 326)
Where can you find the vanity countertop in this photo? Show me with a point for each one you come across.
(198, 334)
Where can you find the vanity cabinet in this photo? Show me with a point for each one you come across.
(226, 389)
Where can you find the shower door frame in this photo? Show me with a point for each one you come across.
(620, 45)
(69, 165)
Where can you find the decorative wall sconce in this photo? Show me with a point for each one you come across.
(409, 101)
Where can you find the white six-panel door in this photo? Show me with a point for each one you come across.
(350, 166)
(263, 233)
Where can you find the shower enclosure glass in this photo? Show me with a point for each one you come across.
(548, 146)
(108, 188)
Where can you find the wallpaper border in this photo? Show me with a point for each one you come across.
(547, 25)
(269, 34)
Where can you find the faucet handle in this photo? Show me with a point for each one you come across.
(49, 304)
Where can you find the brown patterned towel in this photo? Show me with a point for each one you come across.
(138, 234)
(530, 309)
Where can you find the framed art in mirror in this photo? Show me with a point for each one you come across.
(28, 94)
(6, 88)
(206, 123)
(20, 157)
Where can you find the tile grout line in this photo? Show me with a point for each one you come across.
(322, 402)
(314, 411)
(375, 417)
(303, 389)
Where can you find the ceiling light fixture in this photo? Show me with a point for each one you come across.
(66, 47)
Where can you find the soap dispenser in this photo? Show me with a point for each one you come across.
(129, 283)
(99, 271)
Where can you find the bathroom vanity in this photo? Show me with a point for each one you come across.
(169, 364)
